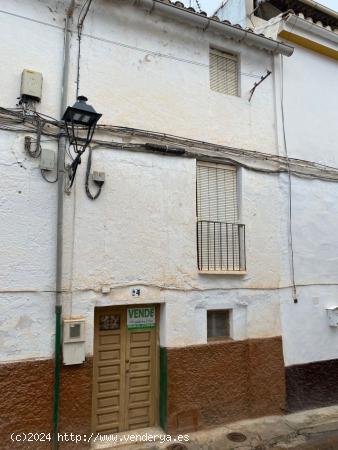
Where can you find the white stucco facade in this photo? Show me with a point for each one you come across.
(310, 115)
(308, 90)
(145, 71)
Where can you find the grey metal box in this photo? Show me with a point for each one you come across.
(47, 159)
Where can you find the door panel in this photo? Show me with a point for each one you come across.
(109, 368)
(125, 373)
(141, 359)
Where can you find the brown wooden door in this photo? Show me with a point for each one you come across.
(125, 381)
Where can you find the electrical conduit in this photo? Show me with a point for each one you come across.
(59, 236)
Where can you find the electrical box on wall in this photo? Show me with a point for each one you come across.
(73, 341)
(47, 159)
(98, 177)
(31, 85)
(332, 314)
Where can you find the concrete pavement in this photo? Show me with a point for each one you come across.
(307, 430)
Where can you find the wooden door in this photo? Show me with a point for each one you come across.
(125, 381)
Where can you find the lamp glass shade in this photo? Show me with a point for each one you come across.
(81, 113)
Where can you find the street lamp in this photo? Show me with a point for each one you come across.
(80, 120)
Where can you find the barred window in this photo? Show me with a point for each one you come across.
(223, 69)
(220, 238)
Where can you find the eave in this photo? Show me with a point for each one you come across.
(236, 32)
(307, 34)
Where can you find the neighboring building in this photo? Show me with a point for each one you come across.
(190, 234)
(308, 90)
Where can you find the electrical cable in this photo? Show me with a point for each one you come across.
(198, 6)
(37, 152)
(47, 179)
(292, 263)
(78, 62)
(255, 9)
(19, 121)
(159, 54)
(261, 29)
(194, 148)
(224, 2)
(72, 253)
(224, 158)
(68, 152)
(89, 165)
(72, 169)
(28, 141)
(42, 116)
(80, 22)
(329, 173)
(264, 77)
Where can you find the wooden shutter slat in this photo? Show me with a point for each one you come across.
(216, 194)
(223, 69)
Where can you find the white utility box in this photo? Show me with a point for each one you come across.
(73, 341)
(47, 159)
(332, 314)
(31, 84)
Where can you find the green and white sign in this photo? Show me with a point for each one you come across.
(141, 318)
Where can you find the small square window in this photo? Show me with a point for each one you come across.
(75, 330)
(110, 322)
(218, 324)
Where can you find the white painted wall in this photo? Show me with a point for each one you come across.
(124, 77)
(310, 94)
(141, 231)
(310, 110)
(146, 226)
(236, 11)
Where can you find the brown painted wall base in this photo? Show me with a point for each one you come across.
(223, 382)
(312, 385)
(27, 397)
(206, 385)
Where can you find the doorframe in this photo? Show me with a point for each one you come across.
(116, 308)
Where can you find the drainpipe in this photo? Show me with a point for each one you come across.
(59, 233)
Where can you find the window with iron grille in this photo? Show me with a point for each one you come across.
(224, 76)
(220, 238)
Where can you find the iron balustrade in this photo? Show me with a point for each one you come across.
(220, 246)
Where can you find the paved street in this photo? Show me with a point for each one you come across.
(318, 443)
(307, 430)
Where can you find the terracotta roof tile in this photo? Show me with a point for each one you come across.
(179, 4)
(319, 23)
(190, 9)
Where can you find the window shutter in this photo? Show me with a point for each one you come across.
(220, 238)
(216, 193)
(223, 73)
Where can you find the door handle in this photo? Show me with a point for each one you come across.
(127, 365)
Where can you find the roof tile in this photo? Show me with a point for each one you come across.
(319, 23)
(180, 4)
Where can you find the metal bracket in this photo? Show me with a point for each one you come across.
(268, 73)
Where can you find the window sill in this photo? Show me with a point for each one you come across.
(220, 339)
(223, 272)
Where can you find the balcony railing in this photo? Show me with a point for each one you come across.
(220, 246)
